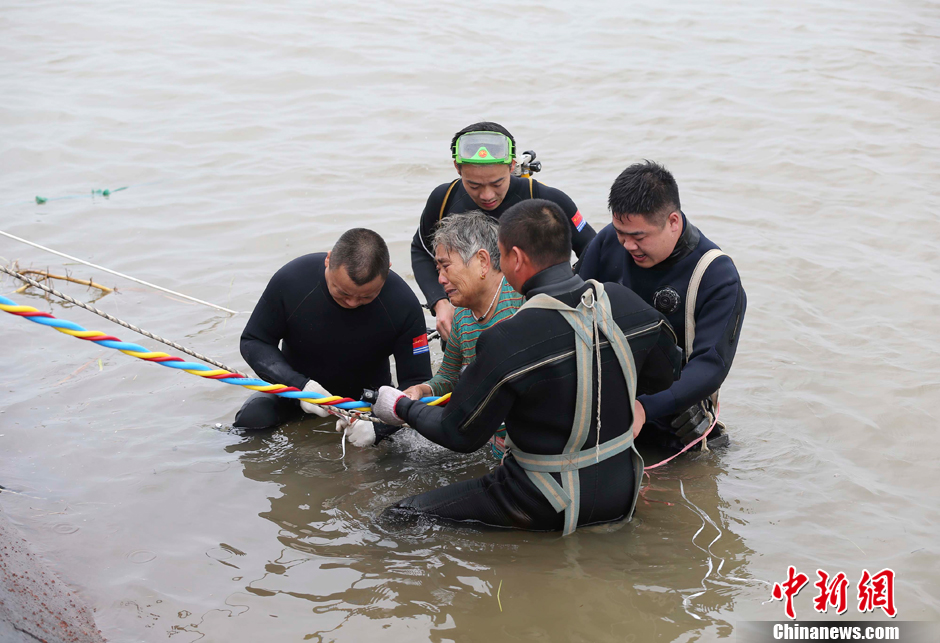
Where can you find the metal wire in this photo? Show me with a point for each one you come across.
(119, 274)
(101, 313)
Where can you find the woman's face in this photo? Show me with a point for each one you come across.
(461, 281)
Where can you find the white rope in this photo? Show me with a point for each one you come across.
(119, 274)
(597, 344)
(596, 339)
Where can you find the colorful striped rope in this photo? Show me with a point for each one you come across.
(194, 368)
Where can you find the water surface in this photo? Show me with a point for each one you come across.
(805, 140)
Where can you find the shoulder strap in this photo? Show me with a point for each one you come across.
(446, 197)
(531, 190)
(692, 295)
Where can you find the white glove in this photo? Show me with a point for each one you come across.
(384, 407)
(314, 387)
(359, 433)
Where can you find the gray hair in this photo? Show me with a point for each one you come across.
(468, 233)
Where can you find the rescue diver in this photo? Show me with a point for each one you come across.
(651, 247)
(485, 156)
(537, 374)
(327, 323)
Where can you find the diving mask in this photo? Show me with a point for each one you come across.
(484, 148)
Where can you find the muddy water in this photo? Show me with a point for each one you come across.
(805, 141)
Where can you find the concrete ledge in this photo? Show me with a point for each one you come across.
(35, 605)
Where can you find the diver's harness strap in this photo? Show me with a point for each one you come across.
(440, 215)
(692, 295)
(710, 403)
(589, 319)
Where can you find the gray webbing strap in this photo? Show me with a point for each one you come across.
(567, 496)
(692, 295)
(709, 404)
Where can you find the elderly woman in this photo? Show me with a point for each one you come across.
(467, 260)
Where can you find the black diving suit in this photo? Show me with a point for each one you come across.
(719, 306)
(525, 375)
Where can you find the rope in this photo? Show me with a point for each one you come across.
(597, 345)
(88, 307)
(338, 405)
(690, 444)
(119, 274)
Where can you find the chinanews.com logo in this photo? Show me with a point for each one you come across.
(838, 594)
(828, 631)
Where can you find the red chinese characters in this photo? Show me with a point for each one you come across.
(873, 591)
(877, 591)
(831, 593)
(790, 588)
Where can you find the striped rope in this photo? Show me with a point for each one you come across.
(335, 403)
(115, 320)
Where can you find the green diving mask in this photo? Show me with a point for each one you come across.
(484, 148)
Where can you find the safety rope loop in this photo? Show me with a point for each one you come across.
(336, 405)
(588, 299)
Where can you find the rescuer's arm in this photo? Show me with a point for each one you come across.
(662, 364)
(718, 318)
(412, 354)
(261, 338)
(474, 411)
(422, 248)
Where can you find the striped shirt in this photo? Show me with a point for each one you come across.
(462, 347)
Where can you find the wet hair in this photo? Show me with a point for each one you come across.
(468, 233)
(645, 188)
(363, 253)
(540, 229)
(483, 126)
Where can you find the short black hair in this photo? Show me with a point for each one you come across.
(482, 126)
(363, 253)
(645, 188)
(540, 229)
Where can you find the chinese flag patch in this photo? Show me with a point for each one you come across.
(578, 220)
(420, 344)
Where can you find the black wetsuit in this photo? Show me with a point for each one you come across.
(343, 349)
(422, 249)
(719, 313)
(525, 374)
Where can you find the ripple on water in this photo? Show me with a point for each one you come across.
(218, 553)
(65, 528)
(141, 556)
